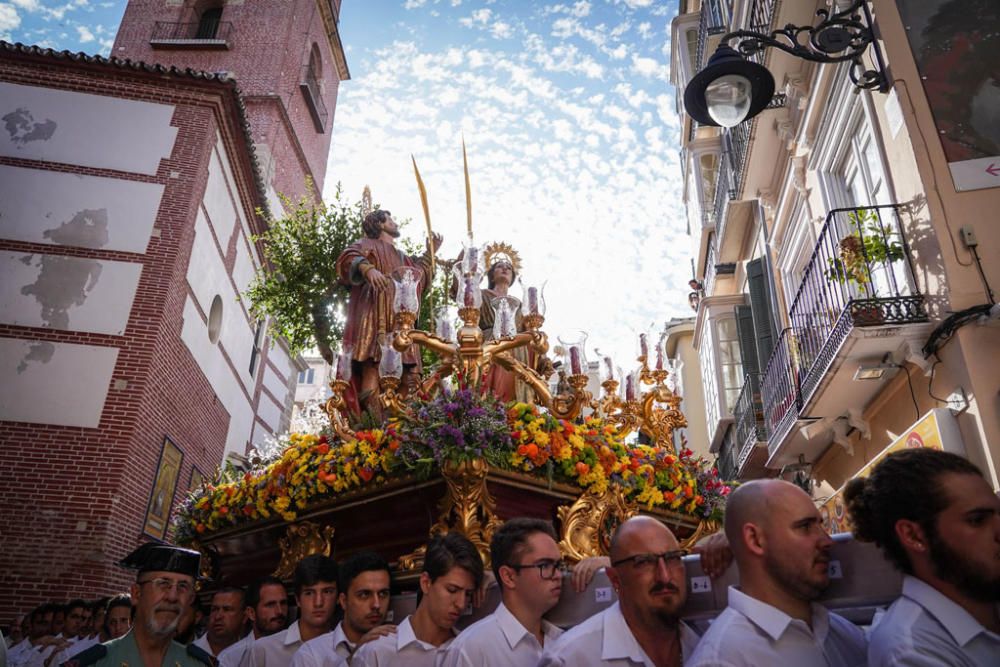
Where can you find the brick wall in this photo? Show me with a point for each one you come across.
(74, 499)
(268, 49)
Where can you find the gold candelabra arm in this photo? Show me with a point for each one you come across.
(390, 396)
(336, 410)
(533, 338)
(568, 406)
(404, 339)
(611, 403)
(526, 375)
(658, 423)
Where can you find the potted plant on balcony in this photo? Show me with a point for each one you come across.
(868, 244)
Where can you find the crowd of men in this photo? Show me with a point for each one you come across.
(932, 513)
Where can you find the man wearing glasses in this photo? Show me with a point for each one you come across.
(162, 589)
(528, 568)
(643, 627)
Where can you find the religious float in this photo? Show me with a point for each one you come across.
(452, 449)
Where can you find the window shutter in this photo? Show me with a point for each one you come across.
(748, 339)
(760, 304)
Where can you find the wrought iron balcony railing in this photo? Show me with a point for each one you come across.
(860, 274)
(713, 21)
(749, 418)
(780, 388)
(203, 32)
(724, 192)
(728, 462)
(314, 98)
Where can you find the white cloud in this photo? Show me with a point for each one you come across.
(86, 36)
(27, 5)
(650, 67)
(414, 4)
(9, 20)
(645, 29)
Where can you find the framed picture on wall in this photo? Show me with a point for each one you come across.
(197, 479)
(161, 498)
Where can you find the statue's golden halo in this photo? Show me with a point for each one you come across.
(498, 252)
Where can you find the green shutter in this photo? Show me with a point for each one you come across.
(763, 312)
(748, 340)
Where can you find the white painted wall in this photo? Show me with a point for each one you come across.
(68, 293)
(84, 129)
(51, 207)
(54, 383)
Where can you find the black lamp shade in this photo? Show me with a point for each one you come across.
(725, 61)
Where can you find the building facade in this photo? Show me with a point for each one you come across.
(847, 273)
(129, 193)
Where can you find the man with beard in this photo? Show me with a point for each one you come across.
(453, 571)
(783, 555)
(364, 596)
(934, 516)
(225, 621)
(267, 611)
(643, 627)
(315, 582)
(528, 567)
(163, 588)
(367, 267)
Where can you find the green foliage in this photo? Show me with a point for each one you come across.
(299, 289)
(869, 244)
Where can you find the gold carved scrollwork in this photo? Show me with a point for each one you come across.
(706, 527)
(466, 508)
(207, 565)
(587, 524)
(302, 539)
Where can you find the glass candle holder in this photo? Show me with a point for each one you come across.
(444, 324)
(533, 298)
(574, 343)
(405, 300)
(343, 371)
(504, 314)
(391, 363)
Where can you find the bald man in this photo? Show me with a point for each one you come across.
(643, 627)
(783, 554)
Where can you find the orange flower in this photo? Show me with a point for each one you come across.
(532, 450)
(223, 510)
(366, 474)
(669, 496)
(200, 528)
(322, 449)
(522, 450)
(393, 445)
(582, 468)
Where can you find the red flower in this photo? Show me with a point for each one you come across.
(366, 474)
(582, 468)
(323, 448)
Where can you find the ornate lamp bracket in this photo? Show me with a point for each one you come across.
(842, 36)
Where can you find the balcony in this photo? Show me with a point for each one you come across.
(196, 35)
(314, 99)
(856, 303)
(750, 430)
(728, 462)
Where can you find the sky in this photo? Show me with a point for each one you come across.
(570, 125)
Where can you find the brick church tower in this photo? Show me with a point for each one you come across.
(129, 365)
(286, 57)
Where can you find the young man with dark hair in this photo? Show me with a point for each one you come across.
(934, 515)
(315, 584)
(364, 597)
(267, 611)
(644, 626)
(453, 571)
(117, 617)
(28, 653)
(76, 615)
(528, 567)
(783, 555)
(225, 621)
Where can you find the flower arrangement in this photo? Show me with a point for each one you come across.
(869, 244)
(449, 428)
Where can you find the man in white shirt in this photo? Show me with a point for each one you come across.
(783, 555)
(267, 611)
(76, 615)
(528, 568)
(364, 584)
(316, 594)
(225, 621)
(643, 627)
(936, 517)
(452, 572)
(28, 653)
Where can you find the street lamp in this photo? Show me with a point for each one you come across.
(731, 89)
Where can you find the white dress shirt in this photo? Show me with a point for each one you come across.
(77, 646)
(25, 654)
(202, 643)
(332, 649)
(237, 654)
(752, 633)
(923, 628)
(401, 649)
(499, 640)
(276, 650)
(606, 634)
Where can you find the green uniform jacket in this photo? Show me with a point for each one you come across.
(123, 652)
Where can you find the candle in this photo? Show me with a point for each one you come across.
(630, 387)
(506, 329)
(532, 300)
(445, 331)
(468, 297)
(643, 346)
(344, 366)
(660, 356)
(575, 361)
(391, 363)
(471, 259)
(609, 369)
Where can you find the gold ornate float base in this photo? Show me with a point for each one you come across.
(466, 508)
(301, 540)
(589, 523)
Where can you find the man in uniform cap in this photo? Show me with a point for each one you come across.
(163, 587)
